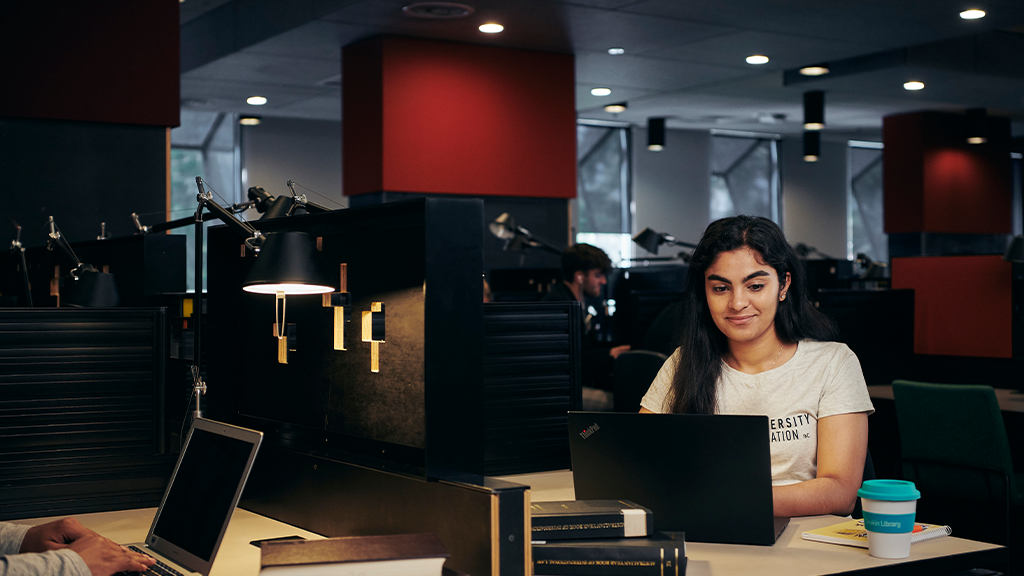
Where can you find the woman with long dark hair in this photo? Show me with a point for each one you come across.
(752, 343)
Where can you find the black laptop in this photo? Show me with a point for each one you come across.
(708, 476)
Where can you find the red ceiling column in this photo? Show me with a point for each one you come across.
(436, 117)
(936, 182)
(948, 206)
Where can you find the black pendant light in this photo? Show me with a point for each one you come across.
(977, 120)
(814, 110)
(812, 146)
(655, 134)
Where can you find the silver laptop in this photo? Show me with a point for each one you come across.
(200, 497)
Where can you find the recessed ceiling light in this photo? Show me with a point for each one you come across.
(913, 85)
(616, 51)
(491, 28)
(814, 70)
(600, 91)
(972, 14)
(616, 108)
(249, 120)
(256, 100)
(757, 59)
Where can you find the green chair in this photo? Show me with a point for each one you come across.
(954, 443)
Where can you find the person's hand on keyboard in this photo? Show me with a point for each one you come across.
(54, 535)
(105, 558)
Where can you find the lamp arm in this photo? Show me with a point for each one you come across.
(58, 241)
(18, 249)
(253, 237)
(300, 199)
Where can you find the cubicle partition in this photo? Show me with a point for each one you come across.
(372, 406)
(80, 395)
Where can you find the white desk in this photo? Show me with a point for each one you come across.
(236, 556)
(792, 555)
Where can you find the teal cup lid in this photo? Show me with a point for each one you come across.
(892, 490)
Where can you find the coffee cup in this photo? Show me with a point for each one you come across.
(889, 507)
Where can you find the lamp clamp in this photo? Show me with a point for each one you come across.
(138, 225)
(198, 389)
(255, 241)
(16, 243)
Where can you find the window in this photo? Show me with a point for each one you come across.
(206, 144)
(865, 232)
(604, 196)
(744, 177)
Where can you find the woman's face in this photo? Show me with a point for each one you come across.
(743, 293)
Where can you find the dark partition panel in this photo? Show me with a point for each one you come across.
(483, 523)
(80, 395)
(531, 380)
(419, 262)
(81, 173)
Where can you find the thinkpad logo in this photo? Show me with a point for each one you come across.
(590, 430)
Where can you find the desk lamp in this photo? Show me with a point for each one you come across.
(650, 240)
(284, 265)
(89, 287)
(517, 237)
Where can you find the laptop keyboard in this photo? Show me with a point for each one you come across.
(158, 569)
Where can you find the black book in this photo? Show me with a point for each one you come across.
(662, 554)
(574, 519)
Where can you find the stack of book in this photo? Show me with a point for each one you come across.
(602, 538)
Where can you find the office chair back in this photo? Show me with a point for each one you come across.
(954, 441)
(632, 375)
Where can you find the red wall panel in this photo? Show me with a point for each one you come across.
(962, 304)
(114, 61)
(463, 119)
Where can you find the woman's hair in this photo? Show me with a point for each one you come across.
(694, 388)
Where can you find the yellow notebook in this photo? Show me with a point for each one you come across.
(853, 533)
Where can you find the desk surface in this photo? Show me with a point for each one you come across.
(1009, 400)
(236, 556)
(792, 555)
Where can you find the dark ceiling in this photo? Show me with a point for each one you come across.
(683, 59)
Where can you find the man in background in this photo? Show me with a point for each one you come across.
(584, 271)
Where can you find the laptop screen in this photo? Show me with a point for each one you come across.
(202, 492)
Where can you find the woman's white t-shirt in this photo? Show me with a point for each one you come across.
(821, 379)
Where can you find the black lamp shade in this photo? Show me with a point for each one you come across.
(812, 146)
(649, 240)
(92, 290)
(1015, 251)
(977, 120)
(286, 263)
(655, 134)
(814, 110)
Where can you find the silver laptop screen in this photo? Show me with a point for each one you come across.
(200, 498)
